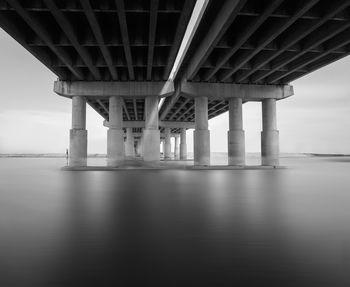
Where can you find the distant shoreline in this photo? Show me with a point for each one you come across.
(53, 155)
(58, 155)
(327, 154)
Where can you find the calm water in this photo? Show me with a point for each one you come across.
(288, 227)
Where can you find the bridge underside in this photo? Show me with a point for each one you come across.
(240, 51)
(101, 40)
(262, 42)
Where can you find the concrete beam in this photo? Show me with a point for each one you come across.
(162, 124)
(218, 91)
(98, 89)
(125, 37)
(162, 135)
(174, 124)
(218, 28)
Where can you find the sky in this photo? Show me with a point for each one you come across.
(33, 119)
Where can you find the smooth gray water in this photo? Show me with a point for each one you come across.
(287, 227)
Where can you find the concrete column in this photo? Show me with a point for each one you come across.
(269, 134)
(141, 144)
(129, 143)
(235, 135)
(183, 145)
(167, 144)
(115, 134)
(177, 147)
(78, 133)
(138, 147)
(201, 135)
(151, 134)
(162, 143)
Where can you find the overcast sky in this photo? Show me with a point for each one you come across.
(35, 120)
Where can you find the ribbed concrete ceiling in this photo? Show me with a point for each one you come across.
(100, 40)
(261, 42)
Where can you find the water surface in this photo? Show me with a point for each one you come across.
(287, 227)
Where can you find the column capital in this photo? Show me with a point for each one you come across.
(248, 92)
(100, 89)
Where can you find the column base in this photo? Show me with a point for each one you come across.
(177, 153)
(77, 147)
(183, 151)
(167, 151)
(201, 142)
(270, 148)
(151, 143)
(115, 147)
(129, 150)
(138, 149)
(236, 147)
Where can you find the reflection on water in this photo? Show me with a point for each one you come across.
(288, 227)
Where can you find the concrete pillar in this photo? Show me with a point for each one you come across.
(201, 135)
(177, 147)
(78, 133)
(162, 143)
(141, 141)
(269, 134)
(138, 147)
(151, 134)
(129, 144)
(183, 145)
(115, 134)
(167, 144)
(235, 135)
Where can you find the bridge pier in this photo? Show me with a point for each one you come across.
(129, 144)
(167, 144)
(177, 147)
(151, 134)
(138, 147)
(201, 135)
(115, 134)
(183, 145)
(235, 135)
(78, 133)
(269, 134)
(149, 144)
(141, 141)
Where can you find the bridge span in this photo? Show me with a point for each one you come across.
(120, 57)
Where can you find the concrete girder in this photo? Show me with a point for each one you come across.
(98, 89)
(152, 36)
(273, 32)
(243, 36)
(45, 36)
(123, 25)
(162, 124)
(294, 37)
(219, 27)
(180, 32)
(68, 29)
(218, 91)
(162, 135)
(96, 29)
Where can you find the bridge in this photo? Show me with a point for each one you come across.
(123, 58)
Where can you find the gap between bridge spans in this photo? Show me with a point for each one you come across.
(191, 29)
